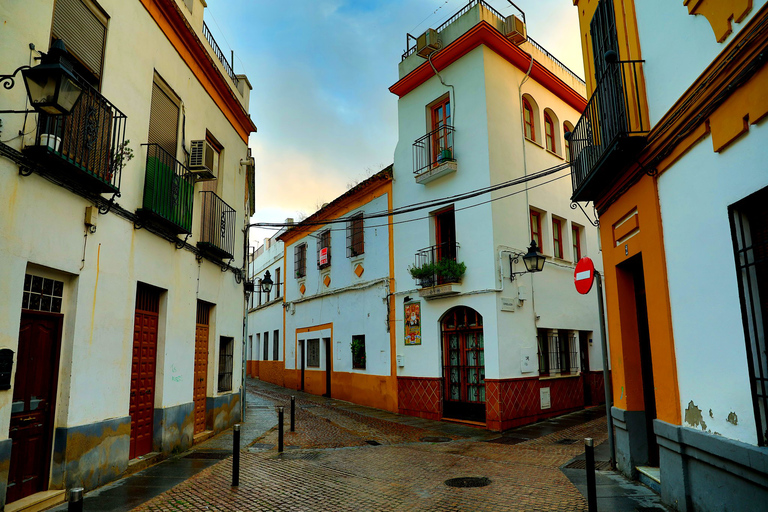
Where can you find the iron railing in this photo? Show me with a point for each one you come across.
(217, 226)
(219, 54)
(90, 141)
(431, 265)
(612, 113)
(433, 148)
(558, 354)
(168, 189)
(555, 60)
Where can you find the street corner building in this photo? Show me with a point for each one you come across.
(323, 325)
(482, 106)
(121, 238)
(671, 150)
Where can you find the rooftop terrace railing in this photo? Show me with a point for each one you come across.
(217, 51)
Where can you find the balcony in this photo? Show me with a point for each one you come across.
(168, 191)
(217, 227)
(86, 148)
(219, 54)
(610, 132)
(433, 155)
(437, 271)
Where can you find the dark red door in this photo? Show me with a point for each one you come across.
(201, 365)
(34, 399)
(464, 364)
(143, 370)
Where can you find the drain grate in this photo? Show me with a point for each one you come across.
(372, 442)
(600, 465)
(507, 440)
(208, 455)
(468, 481)
(300, 455)
(567, 441)
(435, 439)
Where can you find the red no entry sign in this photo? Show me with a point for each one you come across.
(584, 275)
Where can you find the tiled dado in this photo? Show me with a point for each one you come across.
(420, 396)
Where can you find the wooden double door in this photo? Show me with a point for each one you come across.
(463, 365)
(142, 403)
(33, 406)
(201, 365)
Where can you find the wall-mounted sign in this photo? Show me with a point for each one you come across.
(324, 256)
(508, 304)
(413, 323)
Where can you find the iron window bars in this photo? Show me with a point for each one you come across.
(355, 236)
(324, 242)
(558, 352)
(300, 260)
(226, 347)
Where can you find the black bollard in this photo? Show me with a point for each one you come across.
(236, 455)
(280, 415)
(75, 500)
(589, 450)
(293, 413)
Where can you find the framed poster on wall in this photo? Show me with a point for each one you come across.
(412, 323)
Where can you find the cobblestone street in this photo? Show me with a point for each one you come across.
(332, 462)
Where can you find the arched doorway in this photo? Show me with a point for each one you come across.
(463, 364)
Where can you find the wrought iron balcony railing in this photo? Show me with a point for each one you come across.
(217, 226)
(433, 149)
(169, 190)
(219, 54)
(612, 125)
(86, 147)
(437, 265)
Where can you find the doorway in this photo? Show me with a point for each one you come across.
(144, 359)
(302, 357)
(463, 365)
(201, 364)
(584, 357)
(327, 345)
(34, 403)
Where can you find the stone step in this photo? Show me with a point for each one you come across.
(650, 476)
(38, 501)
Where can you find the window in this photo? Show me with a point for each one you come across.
(83, 28)
(567, 146)
(536, 228)
(549, 133)
(266, 346)
(543, 343)
(528, 120)
(42, 294)
(358, 352)
(557, 238)
(300, 260)
(313, 353)
(276, 345)
(749, 227)
(276, 285)
(164, 117)
(576, 240)
(324, 249)
(226, 347)
(445, 234)
(256, 347)
(250, 348)
(258, 291)
(557, 351)
(355, 236)
(441, 127)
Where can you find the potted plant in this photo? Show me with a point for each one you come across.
(118, 159)
(450, 271)
(444, 155)
(425, 273)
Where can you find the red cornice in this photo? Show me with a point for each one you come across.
(484, 33)
(183, 38)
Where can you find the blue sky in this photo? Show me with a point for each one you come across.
(321, 70)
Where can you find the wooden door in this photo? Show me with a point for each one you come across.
(328, 361)
(464, 364)
(201, 365)
(142, 403)
(442, 136)
(34, 400)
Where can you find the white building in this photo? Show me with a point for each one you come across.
(125, 327)
(492, 350)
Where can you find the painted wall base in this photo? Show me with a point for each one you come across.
(90, 455)
(223, 411)
(705, 472)
(5, 466)
(174, 428)
(630, 440)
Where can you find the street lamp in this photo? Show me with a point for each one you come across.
(52, 86)
(266, 283)
(533, 260)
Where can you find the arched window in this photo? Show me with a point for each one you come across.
(549, 133)
(567, 127)
(530, 132)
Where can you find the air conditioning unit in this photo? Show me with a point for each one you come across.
(427, 43)
(201, 160)
(514, 29)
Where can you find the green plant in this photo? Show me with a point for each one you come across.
(450, 270)
(425, 271)
(445, 154)
(121, 156)
(358, 352)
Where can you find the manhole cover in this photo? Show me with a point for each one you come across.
(372, 442)
(567, 441)
(300, 455)
(208, 455)
(435, 439)
(600, 465)
(468, 481)
(507, 440)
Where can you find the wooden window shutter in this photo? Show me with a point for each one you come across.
(163, 120)
(83, 28)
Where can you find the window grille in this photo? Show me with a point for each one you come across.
(358, 352)
(355, 236)
(313, 353)
(226, 348)
(576, 240)
(266, 346)
(324, 243)
(276, 345)
(276, 285)
(300, 260)
(42, 294)
(558, 352)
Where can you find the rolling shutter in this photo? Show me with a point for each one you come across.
(163, 121)
(83, 30)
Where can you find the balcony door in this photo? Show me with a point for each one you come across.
(441, 119)
(463, 365)
(445, 234)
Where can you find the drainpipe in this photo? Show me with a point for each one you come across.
(606, 375)
(245, 323)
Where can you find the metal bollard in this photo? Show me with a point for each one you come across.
(589, 451)
(236, 455)
(280, 415)
(75, 500)
(293, 413)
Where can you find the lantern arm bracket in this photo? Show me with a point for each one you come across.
(514, 258)
(8, 82)
(595, 222)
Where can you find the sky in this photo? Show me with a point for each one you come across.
(321, 72)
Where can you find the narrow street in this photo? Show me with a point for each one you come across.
(347, 457)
